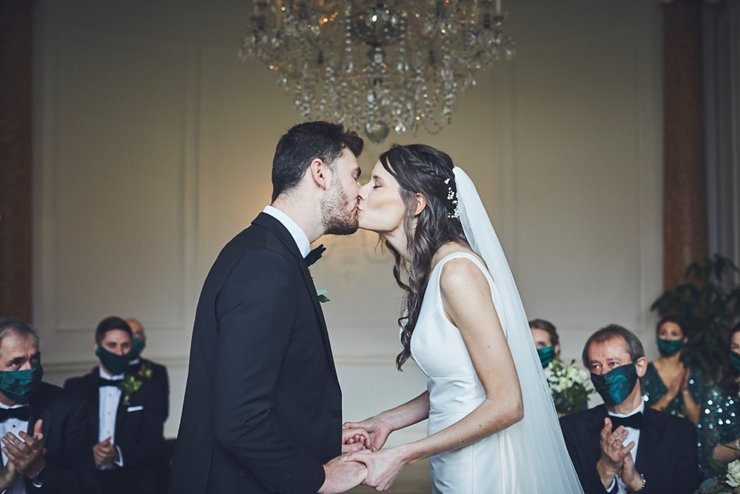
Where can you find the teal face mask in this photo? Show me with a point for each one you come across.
(668, 348)
(615, 386)
(735, 361)
(546, 354)
(113, 363)
(19, 385)
(137, 346)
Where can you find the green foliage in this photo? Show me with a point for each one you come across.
(710, 307)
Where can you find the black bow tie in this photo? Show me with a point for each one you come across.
(20, 413)
(634, 421)
(102, 382)
(314, 255)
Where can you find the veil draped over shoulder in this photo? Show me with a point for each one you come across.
(534, 448)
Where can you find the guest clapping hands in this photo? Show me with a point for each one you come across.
(669, 385)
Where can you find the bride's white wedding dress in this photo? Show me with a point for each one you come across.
(529, 457)
(454, 391)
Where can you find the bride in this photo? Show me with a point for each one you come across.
(492, 424)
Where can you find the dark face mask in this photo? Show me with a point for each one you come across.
(137, 346)
(546, 355)
(668, 348)
(735, 361)
(19, 385)
(615, 386)
(113, 363)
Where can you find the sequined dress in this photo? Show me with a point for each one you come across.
(718, 423)
(653, 388)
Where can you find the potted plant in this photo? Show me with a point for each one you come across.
(709, 303)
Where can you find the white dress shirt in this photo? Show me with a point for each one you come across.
(632, 435)
(300, 237)
(110, 397)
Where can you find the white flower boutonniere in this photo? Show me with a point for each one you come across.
(321, 294)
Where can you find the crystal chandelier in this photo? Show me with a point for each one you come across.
(377, 64)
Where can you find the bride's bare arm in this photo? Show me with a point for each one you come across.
(467, 302)
(380, 426)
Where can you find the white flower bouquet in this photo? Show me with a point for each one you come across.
(569, 384)
(726, 483)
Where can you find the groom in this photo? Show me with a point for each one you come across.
(263, 407)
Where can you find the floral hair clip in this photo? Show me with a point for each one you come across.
(452, 197)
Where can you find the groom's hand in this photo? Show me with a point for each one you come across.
(342, 475)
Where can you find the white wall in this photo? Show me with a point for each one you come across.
(153, 144)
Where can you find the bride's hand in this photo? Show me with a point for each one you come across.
(355, 439)
(378, 431)
(382, 466)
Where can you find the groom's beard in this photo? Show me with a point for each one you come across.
(339, 214)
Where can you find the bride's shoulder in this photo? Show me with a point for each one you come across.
(461, 271)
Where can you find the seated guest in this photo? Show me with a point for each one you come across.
(42, 426)
(567, 383)
(546, 340)
(127, 415)
(145, 368)
(668, 385)
(719, 424)
(623, 446)
(157, 374)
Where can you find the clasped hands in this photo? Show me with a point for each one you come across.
(616, 460)
(25, 454)
(362, 443)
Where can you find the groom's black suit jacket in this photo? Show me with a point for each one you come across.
(666, 451)
(262, 409)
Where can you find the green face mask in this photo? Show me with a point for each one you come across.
(735, 361)
(19, 385)
(546, 355)
(113, 363)
(137, 346)
(668, 348)
(616, 385)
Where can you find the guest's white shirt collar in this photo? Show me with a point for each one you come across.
(640, 408)
(300, 237)
(105, 375)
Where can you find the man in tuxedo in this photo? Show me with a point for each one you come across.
(42, 427)
(157, 374)
(263, 407)
(127, 414)
(624, 446)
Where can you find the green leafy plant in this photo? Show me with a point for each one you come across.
(710, 306)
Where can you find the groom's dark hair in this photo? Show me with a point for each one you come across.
(302, 144)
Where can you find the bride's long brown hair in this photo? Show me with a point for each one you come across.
(427, 171)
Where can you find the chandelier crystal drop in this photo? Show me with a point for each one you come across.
(377, 65)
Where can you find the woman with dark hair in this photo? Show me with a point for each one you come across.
(670, 386)
(719, 424)
(491, 419)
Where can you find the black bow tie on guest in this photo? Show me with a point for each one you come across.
(20, 413)
(314, 255)
(634, 421)
(102, 382)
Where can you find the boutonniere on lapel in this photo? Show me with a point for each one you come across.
(321, 294)
(128, 386)
(145, 371)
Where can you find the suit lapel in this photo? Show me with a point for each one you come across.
(282, 233)
(649, 438)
